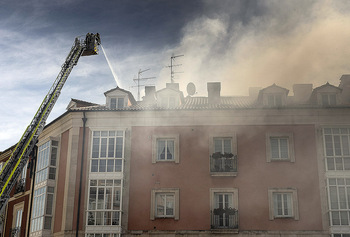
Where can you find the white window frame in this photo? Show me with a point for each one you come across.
(224, 135)
(329, 102)
(342, 186)
(17, 220)
(167, 191)
(290, 142)
(276, 98)
(117, 160)
(156, 138)
(336, 141)
(294, 203)
(103, 185)
(118, 103)
(218, 191)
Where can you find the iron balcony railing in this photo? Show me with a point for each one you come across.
(20, 186)
(226, 162)
(224, 218)
(15, 232)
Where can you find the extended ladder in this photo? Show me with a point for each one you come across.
(19, 157)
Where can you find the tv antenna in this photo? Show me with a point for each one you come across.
(172, 60)
(138, 79)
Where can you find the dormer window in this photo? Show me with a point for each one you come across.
(273, 96)
(329, 99)
(118, 98)
(274, 100)
(117, 103)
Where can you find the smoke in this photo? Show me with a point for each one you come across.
(282, 42)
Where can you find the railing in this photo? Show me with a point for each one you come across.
(20, 186)
(226, 162)
(15, 232)
(224, 218)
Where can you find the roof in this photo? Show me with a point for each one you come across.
(190, 103)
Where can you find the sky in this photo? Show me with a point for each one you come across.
(240, 43)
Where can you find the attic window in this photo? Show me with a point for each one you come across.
(329, 99)
(274, 100)
(117, 103)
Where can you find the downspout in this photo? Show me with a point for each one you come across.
(32, 176)
(81, 174)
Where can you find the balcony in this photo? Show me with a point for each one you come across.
(20, 186)
(15, 232)
(224, 218)
(223, 164)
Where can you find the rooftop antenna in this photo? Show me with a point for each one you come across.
(138, 79)
(172, 59)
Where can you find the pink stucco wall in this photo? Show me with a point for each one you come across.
(194, 181)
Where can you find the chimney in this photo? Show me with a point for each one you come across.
(345, 86)
(254, 92)
(214, 92)
(174, 86)
(150, 94)
(302, 92)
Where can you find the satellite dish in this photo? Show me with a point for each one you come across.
(191, 89)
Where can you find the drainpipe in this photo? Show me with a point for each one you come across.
(32, 176)
(81, 174)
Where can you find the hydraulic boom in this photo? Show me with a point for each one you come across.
(19, 157)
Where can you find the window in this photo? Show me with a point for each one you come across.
(274, 100)
(223, 154)
(337, 148)
(117, 103)
(341, 235)
(104, 205)
(46, 164)
(224, 208)
(17, 219)
(42, 210)
(165, 203)
(165, 148)
(328, 99)
(339, 201)
(107, 151)
(280, 147)
(223, 159)
(283, 203)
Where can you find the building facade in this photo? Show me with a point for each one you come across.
(267, 164)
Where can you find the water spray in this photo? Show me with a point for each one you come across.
(110, 66)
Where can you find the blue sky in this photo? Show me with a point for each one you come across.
(241, 43)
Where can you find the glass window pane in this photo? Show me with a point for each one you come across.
(110, 165)
(330, 164)
(94, 165)
(102, 167)
(118, 165)
(111, 147)
(119, 147)
(284, 148)
(161, 149)
(274, 148)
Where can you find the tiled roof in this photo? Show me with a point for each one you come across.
(190, 103)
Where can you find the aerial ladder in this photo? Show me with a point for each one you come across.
(19, 157)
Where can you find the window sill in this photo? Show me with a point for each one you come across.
(224, 174)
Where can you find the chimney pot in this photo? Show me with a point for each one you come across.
(214, 89)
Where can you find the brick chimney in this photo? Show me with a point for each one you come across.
(214, 89)
(302, 92)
